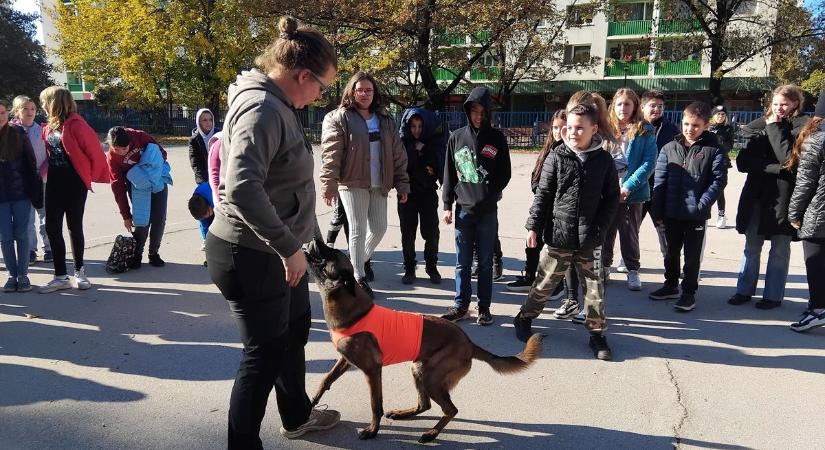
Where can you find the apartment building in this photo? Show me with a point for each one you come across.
(80, 89)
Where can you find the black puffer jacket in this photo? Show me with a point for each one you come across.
(807, 203)
(198, 157)
(575, 201)
(768, 184)
(19, 179)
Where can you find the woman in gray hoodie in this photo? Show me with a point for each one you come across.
(266, 211)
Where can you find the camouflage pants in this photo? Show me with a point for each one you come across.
(554, 263)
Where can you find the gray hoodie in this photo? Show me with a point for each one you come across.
(267, 194)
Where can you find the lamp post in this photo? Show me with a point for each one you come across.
(626, 69)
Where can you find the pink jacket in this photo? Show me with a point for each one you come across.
(214, 165)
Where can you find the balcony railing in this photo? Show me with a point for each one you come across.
(686, 67)
(462, 39)
(617, 69)
(679, 26)
(630, 27)
(488, 73)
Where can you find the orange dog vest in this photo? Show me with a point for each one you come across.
(398, 333)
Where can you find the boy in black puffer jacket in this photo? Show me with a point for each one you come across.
(690, 175)
(575, 201)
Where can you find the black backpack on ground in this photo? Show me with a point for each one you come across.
(122, 252)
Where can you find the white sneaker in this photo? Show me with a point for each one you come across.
(633, 281)
(621, 268)
(721, 223)
(80, 279)
(57, 284)
(319, 419)
(580, 317)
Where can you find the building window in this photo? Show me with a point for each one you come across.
(578, 15)
(746, 8)
(632, 11)
(676, 51)
(576, 54)
(630, 51)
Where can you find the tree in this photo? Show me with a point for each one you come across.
(159, 52)
(23, 65)
(732, 32)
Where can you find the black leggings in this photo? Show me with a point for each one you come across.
(814, 250)
(65, 196)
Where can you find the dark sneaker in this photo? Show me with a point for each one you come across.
(134, 263)
(409, 276)
(523, 327)
(739, 299)
(368, 273)
(11, 285)
(156, 261)
(598, 343)
(560, 291)
(580, 318)
(686, 303)
(567, 309)
(32, 258)
(319, 419)
(435, 277)
(366, 287)
(484, 316)
(498, 270)
(767, 304)
(23, 284)
(809, 319)
(523, 283)
(47, 257)
(664, 293)
(455, 314)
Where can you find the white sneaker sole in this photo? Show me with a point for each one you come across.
(49, 290)
(809, 325)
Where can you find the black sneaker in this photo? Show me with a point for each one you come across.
(156, 261)
(47, 257)
(409, 276)
(809, 319)
(366, 287)
(435, 277)
(498, 270)
(767, 304)
(739, 299)
(134, 263)
(523, 327)
(32, 258)
(368, 273)
(664, 293)
(484, 316)
(598, 343)
(455, 314)
(686, 303)
(523, 283)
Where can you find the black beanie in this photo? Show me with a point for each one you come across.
(820, 106)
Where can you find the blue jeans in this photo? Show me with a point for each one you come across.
(14, 227)
(474, 231)
(778, 260)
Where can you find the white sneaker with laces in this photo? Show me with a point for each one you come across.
(621, 268)
(57, 284)
(810, 319)
(721, 223)
(580, 317)
(633, 281)
(80, 279)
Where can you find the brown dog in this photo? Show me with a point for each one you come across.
(445, 355)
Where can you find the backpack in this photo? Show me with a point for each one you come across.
(122, 252)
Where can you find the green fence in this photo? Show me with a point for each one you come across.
(634, 69)
(630, 27)
(687, 67)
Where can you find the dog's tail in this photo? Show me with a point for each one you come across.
(511, 364)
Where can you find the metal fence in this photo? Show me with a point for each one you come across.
(522, 129)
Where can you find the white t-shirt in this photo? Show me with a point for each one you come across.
(374, 128)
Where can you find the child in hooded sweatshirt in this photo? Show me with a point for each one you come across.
(576, 198)
(424, 143)
(475, 174)
(199, 144)
(690, 174)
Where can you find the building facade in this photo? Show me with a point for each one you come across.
(80, 89)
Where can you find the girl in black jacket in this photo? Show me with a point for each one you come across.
(720, 126)
(763, 204)
(806, 211)
(198, 150)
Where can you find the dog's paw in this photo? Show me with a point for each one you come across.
(428, 436)
(367, 433)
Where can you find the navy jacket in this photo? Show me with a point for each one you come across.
(431, 156)
(19, 179)
(688, 180)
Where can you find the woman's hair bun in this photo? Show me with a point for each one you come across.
(288, 26)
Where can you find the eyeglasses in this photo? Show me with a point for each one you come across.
(324, 87)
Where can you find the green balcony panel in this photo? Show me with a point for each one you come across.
(631, 27)
(480, 37)
(75, 87)
(634, 69)
(489, 73)
(444, 74)
(679, 26)
(687, 67)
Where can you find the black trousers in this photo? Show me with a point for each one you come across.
(420, 208)
(65, 196)
(157, 224)
(274, 321)
(337, 222)
(814, 250)
(688, 234)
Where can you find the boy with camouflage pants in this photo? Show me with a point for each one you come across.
(575, 201)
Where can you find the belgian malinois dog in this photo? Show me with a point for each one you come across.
(445, 355)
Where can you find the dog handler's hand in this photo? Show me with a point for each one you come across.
(328, 199)
(532, 239)
(448, 217)
(296, 267)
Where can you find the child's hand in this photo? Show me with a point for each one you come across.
(448, 217)
(419, 146)
(796, 224)
(532, 239)
(623, 194)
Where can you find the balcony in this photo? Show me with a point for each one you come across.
(462, 39)
(679, 26)
(629, 28)
(634, 69)
(671, 68)
(483, 74)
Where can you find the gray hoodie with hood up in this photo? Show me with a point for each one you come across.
(267, 193)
